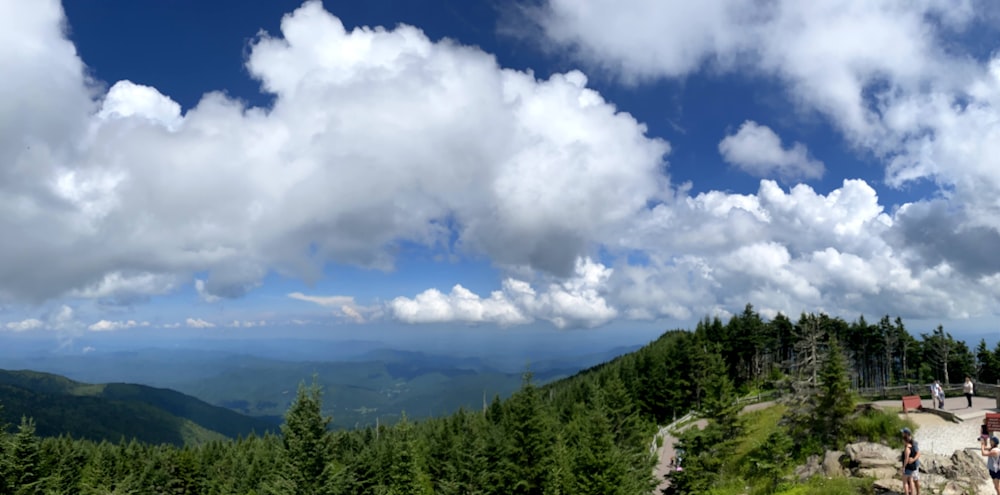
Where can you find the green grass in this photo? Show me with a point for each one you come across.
(880, 426)
(759, 425)
(833, 486)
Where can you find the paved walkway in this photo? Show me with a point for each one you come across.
(940, 436)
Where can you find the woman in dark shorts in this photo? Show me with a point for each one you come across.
(911, 464)
(992, 454)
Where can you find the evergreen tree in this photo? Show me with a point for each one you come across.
(307, 443)
(24, 461)
(530, 434)
(406, 473)
(719, 401)
(986, 364)
(562, 480)
(835, 403)
(5, 482)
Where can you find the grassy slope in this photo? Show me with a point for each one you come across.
(759, 425)
(115, 411)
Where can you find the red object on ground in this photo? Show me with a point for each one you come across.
(913, 402)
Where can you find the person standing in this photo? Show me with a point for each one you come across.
(911, 464)
(992, 455)
(939, 394)
(967, 390)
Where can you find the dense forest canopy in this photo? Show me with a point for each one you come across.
(588, 434)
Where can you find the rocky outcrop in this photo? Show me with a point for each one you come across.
(964, 472)
(811, 468)
(873, 455)
(832, 468)
(966, 464)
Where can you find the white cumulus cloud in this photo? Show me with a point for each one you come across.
(380, 137)
(198, 323)
(109, 326)
(24, 325)
(757, 150)
(375, 137)
(577, 301)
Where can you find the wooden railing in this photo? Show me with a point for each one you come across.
(758, 397)
(950, 390)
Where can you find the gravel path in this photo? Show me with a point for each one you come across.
(939, 436)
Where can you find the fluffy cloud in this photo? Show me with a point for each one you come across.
(757, 150)
(109, 326)
(894, 78)
(574, 302)
(375, 137)
(24, 325)
(198, 323)
(61, 318)
(891, 76)
(379, 138)
(247, 324)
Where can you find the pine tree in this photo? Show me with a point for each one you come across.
(986, 364)
(529, 430)
(406, 472)
(24, 460)
(835, 403)
(5, 484)
(307, 443)
(719, 402)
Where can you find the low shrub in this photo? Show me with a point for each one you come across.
(876, 425)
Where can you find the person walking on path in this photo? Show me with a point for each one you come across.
(967, 390)
(992, 454)
(937, 394)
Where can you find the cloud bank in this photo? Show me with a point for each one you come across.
(379, 138)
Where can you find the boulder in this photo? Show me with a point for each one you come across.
(871, 455)
(811, 468)
(935, 464)
(879, 473)
(967, 465)
(935, 481)
(966, 487)
(831, 464)
(888, 486)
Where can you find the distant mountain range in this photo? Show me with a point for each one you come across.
(115, 411)
(361, 384)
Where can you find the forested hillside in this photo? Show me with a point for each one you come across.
(588, 434)
(113, 411)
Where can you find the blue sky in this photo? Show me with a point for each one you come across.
(558, 166)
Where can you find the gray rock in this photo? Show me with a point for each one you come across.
(935, 481)
(967, 465)
(811, 468)
(867, 454)
(935, 464)
(831, 464)
(879, 473)
(888, 486)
